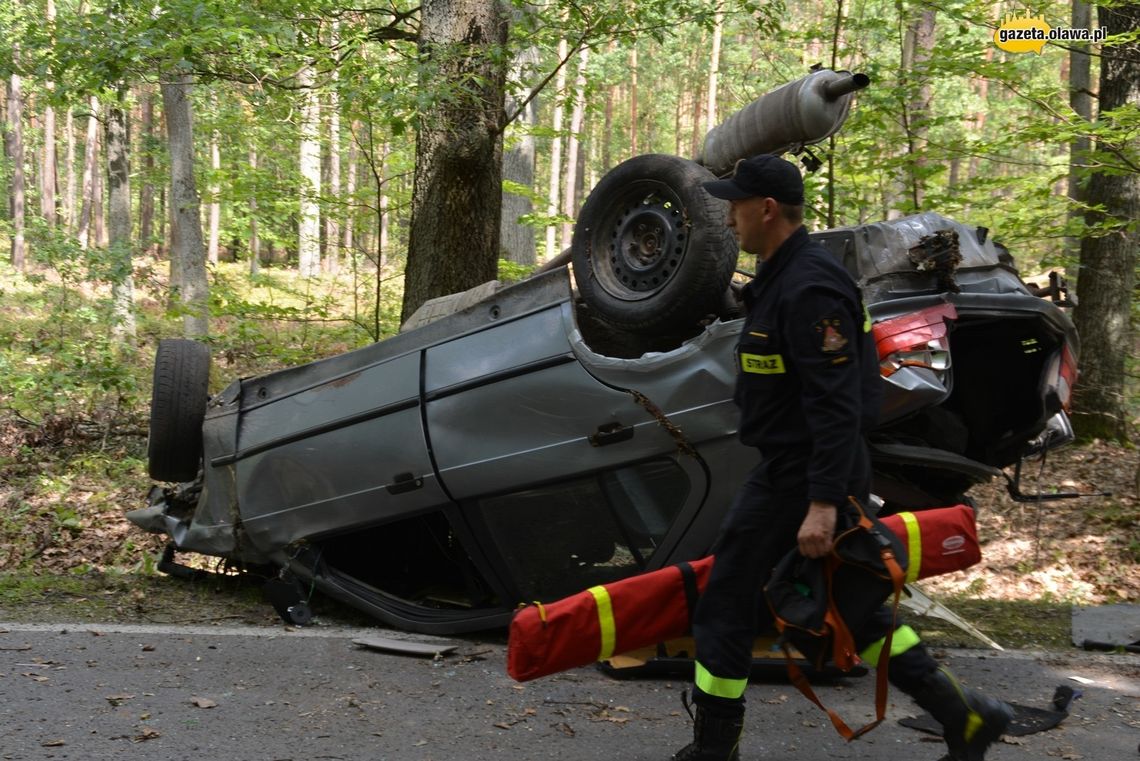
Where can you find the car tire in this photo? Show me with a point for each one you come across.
(178, 409)
(651, 250)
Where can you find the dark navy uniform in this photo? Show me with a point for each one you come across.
(808, 389)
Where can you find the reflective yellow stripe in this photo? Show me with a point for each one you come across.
(866, 320)
(913, 546)
(762, 364)
(605, 621)
(974, 720)
(718, 687)
(905, 638)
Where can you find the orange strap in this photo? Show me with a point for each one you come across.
(844, 644)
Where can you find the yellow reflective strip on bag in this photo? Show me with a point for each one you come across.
(605, 621)
(866, 320)
(913, 546)
(904, 639)
(718, 687)
(762, 364)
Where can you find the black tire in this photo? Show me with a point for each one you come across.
(178, 409)
(651, 251)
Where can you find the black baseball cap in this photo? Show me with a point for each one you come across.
(766, 176)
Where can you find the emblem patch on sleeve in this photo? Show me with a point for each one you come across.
(832, 340)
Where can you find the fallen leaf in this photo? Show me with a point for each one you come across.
(203, 702)
(118, 700)
(52, 743)
(146, 734)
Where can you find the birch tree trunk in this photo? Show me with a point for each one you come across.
(556, 149)
(453, 242)
(187, 252)
(309, 227)
(119, 199)
(15, 150)
(573, 143)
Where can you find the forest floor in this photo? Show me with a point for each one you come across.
(68, 553)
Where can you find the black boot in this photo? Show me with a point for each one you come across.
(716, 733)
(971, 722)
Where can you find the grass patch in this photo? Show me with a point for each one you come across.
(1014, 624)
(141, 598)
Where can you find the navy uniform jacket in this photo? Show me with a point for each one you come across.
(808, 370)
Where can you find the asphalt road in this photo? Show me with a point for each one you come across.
(267, 694)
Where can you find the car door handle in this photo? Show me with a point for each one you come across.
(404, 482)
(611, 433)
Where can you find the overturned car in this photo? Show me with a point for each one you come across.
(578, 427)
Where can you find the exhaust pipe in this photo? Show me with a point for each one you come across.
(798, 114)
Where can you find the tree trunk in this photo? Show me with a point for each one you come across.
(254, 241)
(348, 230)
(917, 48)
(1108, 261)
(608, 120)
(214, 224)
(556, 150)
(187, 252)
(119, 199)
(49, 172)
(573, 145)
(457, 197)
(714, 68)
(1080, 99)
(518, 168)
(146, 194)
(334, 207)
(69, 214)
(309, 227)
(385, 217)
(15, 150)
(633, 99)
(98, 203)
(90, 156)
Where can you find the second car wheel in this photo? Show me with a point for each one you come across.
(651, 250)
(178, 409)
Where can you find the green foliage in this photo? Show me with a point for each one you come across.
(512, 272)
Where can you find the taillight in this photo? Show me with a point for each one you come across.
(918, 339)
(1066, 376)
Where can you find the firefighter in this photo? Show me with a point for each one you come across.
(808, 389)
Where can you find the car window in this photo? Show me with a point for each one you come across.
(562, 538)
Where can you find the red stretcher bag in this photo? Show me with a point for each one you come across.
(939, 540)
(603, 620)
